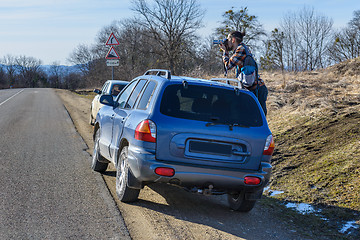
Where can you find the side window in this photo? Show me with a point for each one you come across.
(125, 94)
(116, 88)
(135, 94)
(104, 88)
(146, 97)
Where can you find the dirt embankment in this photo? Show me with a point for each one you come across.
(168, 212)
(315, 118)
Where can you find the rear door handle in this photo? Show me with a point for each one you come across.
(236, 152)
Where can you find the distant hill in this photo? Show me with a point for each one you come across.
(63, 68)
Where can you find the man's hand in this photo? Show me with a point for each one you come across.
(222, 46)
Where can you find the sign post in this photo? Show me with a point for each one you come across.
(112, 57)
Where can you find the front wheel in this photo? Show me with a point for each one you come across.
(238, 202)
(124, 192)
(96, 165)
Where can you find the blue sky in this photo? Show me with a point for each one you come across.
(50, 29)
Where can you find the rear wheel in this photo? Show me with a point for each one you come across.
(238, 202)
(96, 165)
(124, 192)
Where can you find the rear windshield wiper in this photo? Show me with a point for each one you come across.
(231, 125)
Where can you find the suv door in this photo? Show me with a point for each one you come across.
(123, 111)
(108, 115)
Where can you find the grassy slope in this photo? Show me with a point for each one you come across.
(315, 118)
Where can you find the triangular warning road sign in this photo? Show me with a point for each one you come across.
(112, 54)
(112, 41)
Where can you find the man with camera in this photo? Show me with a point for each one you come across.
(246, 67)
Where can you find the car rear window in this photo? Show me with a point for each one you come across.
(210, 104)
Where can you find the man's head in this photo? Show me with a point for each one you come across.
(235, 38)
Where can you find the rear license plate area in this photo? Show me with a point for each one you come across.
(210, 148)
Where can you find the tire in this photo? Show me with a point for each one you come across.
(238, 202)
(124, 193)
(96, 165)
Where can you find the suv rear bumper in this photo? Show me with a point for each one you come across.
(143, 165)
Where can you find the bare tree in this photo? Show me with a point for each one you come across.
(29, 69)
(3, 78)
(208, 59)
(291, 42)
(82, 57)
(274, 55)
(171, 23)
(55, 75)
(241, 21)
(314, 35)
(354, 23)
(9, 62)
(307, 36)
(73, 81)
(347, 41)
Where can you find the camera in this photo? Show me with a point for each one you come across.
(225, 42)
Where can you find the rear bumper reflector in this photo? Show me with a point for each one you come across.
(164, 171)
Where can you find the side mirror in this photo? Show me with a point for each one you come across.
(107, 100)
(97, 91)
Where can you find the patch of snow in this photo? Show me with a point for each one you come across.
(348, 225)
(305, 208)
(272, 192)
(302, 208)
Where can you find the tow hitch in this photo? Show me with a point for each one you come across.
(207, 191)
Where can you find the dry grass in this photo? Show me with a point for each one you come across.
(315, 118)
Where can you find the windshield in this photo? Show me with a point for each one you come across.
(211, 104)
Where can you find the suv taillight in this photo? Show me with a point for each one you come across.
(146, 131)
(269, 145)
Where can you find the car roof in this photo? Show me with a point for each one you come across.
(180, 79)
(163, 75)
(117, 81)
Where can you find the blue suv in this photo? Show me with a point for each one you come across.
(207, 137)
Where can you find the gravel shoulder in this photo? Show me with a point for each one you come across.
(168, 212)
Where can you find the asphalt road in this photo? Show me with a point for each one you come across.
(47, 189)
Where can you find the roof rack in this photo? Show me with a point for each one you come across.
(235, 81)
(159, 72)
